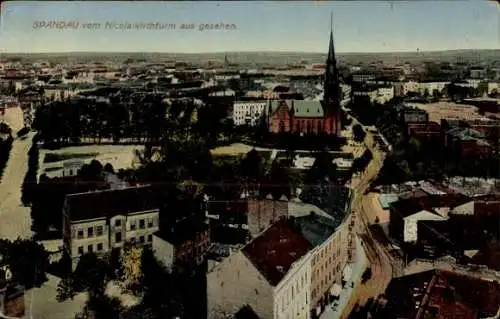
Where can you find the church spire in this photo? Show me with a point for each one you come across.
(331, 93)
(331, 49)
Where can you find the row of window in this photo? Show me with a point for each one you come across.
(118, 238)
(142, 239)
(91, 232)
(326, 282)
(99, 230)
(133, 224)
(295, 289)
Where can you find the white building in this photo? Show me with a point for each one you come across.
(431, 87)
(248, 112)
(271, 274)
(384, 94)
(105, 220)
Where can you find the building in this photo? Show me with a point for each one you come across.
(407, 214)
(271, 274)
(101, 221)
(329, 249)
(302, 117)
(438, 294)
(182, 246)
(248, 113)
(329, 257)
(414, 115)
(249, 217)
(466, 142)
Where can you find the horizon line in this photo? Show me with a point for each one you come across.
(251, 51)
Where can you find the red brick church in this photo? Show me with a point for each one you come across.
(300, 116)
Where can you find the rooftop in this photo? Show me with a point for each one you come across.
(183, 230)
(440, 294)
(275, 250)
(316, 229)
(109, 203)
(408, 207)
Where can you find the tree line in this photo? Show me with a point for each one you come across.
(127, 117)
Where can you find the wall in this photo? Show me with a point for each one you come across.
(234, 283)
(87, 241)
(150, 219)
(163, 251)
(292, 296)
(262, 213)
(327, 266)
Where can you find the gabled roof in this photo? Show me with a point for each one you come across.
(109, 203)
(275, 250)
(301, 108)
(408, 207)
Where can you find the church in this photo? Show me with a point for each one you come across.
(305, 117)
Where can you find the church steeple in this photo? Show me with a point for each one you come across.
(331, 93)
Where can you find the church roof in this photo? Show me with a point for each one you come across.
(301, 108)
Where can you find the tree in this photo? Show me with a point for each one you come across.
(27, 260)
(66, 289)
(91, 275)
(109, 168)
(132, 269)
(252, 167)
(358, 133)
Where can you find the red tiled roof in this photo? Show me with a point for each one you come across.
(276, 249)
(440, 294)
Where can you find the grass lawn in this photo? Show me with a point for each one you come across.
(54, 157)
(219, 159)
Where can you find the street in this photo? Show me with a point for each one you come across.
(16, 219)
(380, 260)
(16, 222)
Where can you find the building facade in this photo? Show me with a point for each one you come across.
(98, 222)
(248, 113)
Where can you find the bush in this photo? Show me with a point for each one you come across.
(29, 184)
(23, 131)
(5, 148)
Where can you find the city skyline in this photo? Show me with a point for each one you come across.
(359, 26)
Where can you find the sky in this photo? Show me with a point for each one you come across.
(359, 26)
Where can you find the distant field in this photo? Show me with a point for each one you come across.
(268, 58)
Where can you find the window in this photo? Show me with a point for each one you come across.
(90, 231)
(99, 230)
(80, 234)
(141, 239)
(80, 250)
(142, 224)
(132, 225)
(99, 247)
(90, 248)
(118, 237)
(150, 238)
(132, 239)
(150, 222)
(118, 223)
